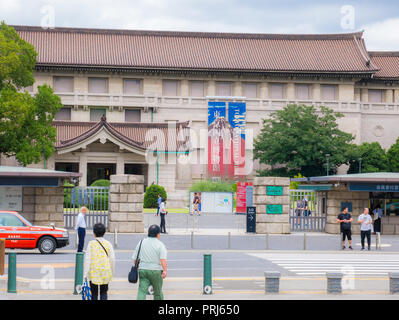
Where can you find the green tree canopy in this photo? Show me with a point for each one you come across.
(25, 121)
(393, 157)
(373, 158)
(298, 138)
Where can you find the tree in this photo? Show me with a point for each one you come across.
(298, 138)
(151, 195)
(373, 158)
(25, 121)
(393, 157)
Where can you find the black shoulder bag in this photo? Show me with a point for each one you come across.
(133, 275)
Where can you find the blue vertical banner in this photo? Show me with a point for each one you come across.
(236, 126)
(216, 129)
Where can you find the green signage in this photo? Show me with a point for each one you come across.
(274, 209)
(274, 191)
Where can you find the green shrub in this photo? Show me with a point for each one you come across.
(210, 186)
(101, 183)
(151, 195)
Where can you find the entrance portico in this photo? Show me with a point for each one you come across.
(359, 191)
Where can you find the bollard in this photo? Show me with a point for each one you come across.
(272, 282)
(192, 240)
(2, 255)
(229, 240)
(12, 273)
(207, 285)
(78, 272)
(304, 241)
(378, 241)
(393, 282)
(334, 282)
(267, 241)
(115, 238)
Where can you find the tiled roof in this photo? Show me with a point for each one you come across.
(134, 134)
(323, 53)
(387, 62)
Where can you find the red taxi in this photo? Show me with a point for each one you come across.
(21, 234)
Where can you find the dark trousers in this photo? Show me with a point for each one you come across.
(103, 291)
(163, 229)
(81, 236)
(377, 225)
(364, 234)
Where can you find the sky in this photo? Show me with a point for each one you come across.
(378, 19)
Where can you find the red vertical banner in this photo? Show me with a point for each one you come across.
(216, 129)
(241, 206)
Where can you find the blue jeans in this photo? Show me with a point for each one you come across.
(158, 210)
(81, 236)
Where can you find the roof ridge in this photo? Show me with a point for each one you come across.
(384, 53)
(197, 34)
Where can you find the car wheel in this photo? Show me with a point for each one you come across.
(47, 245)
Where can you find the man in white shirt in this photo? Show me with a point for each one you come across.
(81, 228)
(365, 228)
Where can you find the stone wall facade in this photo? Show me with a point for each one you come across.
(335, 197)
(43, 205)
(272, 223)
(126, 203)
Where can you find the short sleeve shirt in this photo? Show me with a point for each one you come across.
(345, 225)
(151, 252)
(366, 218)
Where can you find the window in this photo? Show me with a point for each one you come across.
(250, 90)
(328, 92)
(10, 220)
(170, 88)
(67, 166)
(223, 89)
(63, 114)
(97, 113)
(131, 86)
(197, 88)
(375, 95)
(302, 91)
(132, 115)
(276, 91)
(98, 85)
(63, 84)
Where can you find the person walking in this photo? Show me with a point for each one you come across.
(152, 264)
(365, 228)
(377, 218)
(196, 204)
(345, 221)
(298, 212)
(163, 212)
(80, 227)
(99, 264)
(159, 201)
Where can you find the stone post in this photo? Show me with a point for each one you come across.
(272, 282)
(126, 203)
(334, 282)
(272, 202)
(394, 282)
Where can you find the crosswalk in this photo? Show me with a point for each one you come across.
(318, 266)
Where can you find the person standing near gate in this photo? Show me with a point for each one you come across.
(81, 227)
(365, 228)
(163, 212)
(345, 221)
(159, 200)
(377, 218)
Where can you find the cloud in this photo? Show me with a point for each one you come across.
(381, 36)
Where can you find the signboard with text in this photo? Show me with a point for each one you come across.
(11, 198)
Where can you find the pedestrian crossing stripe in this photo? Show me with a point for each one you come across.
(319, 266)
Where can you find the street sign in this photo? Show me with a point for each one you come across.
(251, 219)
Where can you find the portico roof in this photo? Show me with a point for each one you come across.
(376, 177)
(137, 137)
(7, 171)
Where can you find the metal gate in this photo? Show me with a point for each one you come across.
(310, 218)
(96, 199)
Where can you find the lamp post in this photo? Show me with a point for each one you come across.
(328, 157)
(360, 165)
